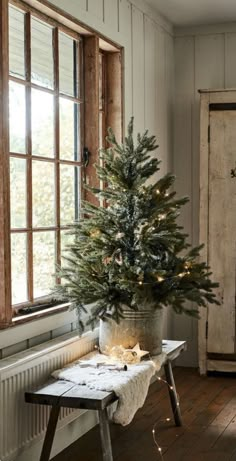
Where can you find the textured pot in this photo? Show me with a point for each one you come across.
(143, 326)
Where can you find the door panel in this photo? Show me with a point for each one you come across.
(222, 230)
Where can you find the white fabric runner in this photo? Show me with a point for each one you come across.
(130, 386)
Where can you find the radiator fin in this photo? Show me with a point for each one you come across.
(20, 422)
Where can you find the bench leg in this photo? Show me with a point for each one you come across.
(173, 394)
(49, 436)
(105, 435)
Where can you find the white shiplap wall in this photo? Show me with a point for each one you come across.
(204, 58)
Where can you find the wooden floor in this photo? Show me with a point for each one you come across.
(208, 406)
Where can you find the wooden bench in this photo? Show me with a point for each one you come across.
(59, 393)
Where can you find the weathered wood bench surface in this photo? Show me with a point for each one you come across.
(59, 393)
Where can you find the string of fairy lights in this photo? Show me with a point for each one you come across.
(160, 279)
(154, 428)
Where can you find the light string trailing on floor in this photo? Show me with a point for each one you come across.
(172, 389)
(154, 432)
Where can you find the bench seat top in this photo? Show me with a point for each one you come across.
(69, 395)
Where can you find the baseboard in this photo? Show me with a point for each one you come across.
(64, 437)
(221, 365)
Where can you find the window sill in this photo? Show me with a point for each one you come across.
(25, 327)
(19, 319)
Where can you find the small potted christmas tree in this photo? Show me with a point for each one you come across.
(129, 259)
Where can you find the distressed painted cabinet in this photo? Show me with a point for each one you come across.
(217, 347)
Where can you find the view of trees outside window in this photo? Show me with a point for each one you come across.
(44, 122)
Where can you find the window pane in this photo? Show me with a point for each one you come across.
(17, 117)
(16, 42)
(70, 189)
(18, 268)
(68, 130)
(66, 239)
(42, 124)
(66, 65)
(44, 263)
(43, 179)
(18, 192)
(41, 54)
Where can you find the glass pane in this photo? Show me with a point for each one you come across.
(70, 190)
(41, 54)
(66, 65)
(66, 239)
(42, 124)
(17, 117)
(19, 268)
(44, 263)
(18, 192)
(69, 120)
(43, 180)
(16, 42)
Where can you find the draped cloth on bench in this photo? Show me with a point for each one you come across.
(130, 386)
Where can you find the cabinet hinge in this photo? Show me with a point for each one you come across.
(206, 330)
(209, 134)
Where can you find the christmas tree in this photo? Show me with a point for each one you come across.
(132, 250)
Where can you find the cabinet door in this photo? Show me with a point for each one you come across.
(222, 228)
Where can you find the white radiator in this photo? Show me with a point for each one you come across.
(22, 423)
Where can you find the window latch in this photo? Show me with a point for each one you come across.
(86, 155)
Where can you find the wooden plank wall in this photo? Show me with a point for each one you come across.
(204, 58)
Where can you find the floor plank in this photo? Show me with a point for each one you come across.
(208, 406)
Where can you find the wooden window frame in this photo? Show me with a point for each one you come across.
(29, 157)
(103, 96)
(89, 137)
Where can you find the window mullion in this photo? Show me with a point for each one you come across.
(5, 247)
(57, 141)
(29, 160)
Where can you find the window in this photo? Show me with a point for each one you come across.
(53, 105)
(45, 151)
